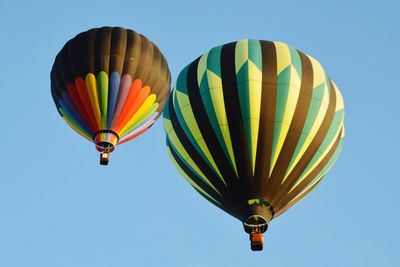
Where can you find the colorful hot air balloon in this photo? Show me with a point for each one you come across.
(254, 126)
(110, 85)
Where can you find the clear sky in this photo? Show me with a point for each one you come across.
(59, 208)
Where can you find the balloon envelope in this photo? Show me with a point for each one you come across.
(110, 85)
(253, 126)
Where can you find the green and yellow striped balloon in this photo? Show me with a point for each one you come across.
(254, 126)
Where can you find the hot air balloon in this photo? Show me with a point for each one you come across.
(110, 85)
(254, 126)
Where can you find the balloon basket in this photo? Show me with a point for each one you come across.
(104, 158)
(257, 241)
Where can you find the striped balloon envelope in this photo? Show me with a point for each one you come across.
(254, 126)
(110, 85)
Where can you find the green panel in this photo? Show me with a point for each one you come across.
(189, 135)
(255, 53)
(187, 178)
(249, 80)
(208, 105)
(328, 83)
(242, 78)
(296, 61)
(166, 109)
(313, 111)
(217, 104)
(186, 130)
(187, 160)
(326, 168)
(214, 60)
(181, 82)
(334, 157)
(102, 87)
(201, 74)
(282, 92)
(146, 115)
(333, 130)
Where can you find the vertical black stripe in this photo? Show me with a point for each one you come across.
(82, 54)
(102, 50)
(208, 133)
(303, 184)
(191, 150)
(267, 116)
(197, 180)
(295, 129)
(146, 60)
(235, 121)
(117, 49)
(132, 53)
(226, 206)
(312, 149)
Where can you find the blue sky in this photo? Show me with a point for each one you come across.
(59, 208)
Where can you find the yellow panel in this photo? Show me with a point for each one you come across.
(255, 74)
(320, 155)
(313, 183)
(313, 131)
(217, 98)
(181, 150)
(291, 103)
(201, 68)
(318, 72)
(295, 79)
(141, 119)
(191, 123)
(91, 85)
(342, 132)
(339, 98)
(182, 99)
(143, 108)
(190, 161)
(168, 126)
(214, 81)
(282, 56)
(241, 54)
(255, 89)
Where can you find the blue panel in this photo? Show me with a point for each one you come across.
(113, 88)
